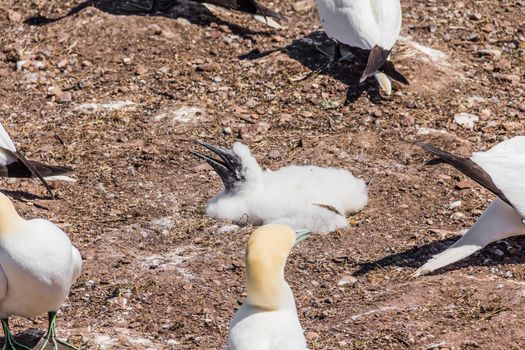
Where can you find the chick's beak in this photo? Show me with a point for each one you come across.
(227, 167)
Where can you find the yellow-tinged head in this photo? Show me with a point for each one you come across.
(268, 249)
(8, 214)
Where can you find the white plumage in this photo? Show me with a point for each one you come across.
(505, 163)
(256, 329)
(7, 147)
(361, 23)
(309, 197)
(370, 28)
(13, 164)
(502, 170)
(38, 264)
(268, 319)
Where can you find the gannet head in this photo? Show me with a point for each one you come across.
(237, 168)
(8, 214)
(268, 250)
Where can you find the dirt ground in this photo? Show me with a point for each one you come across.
(123, 98)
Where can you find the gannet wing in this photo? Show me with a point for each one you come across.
(467, 167)
(5, 140)
(350, 23)
(505, 163)
(388, 18)
(77, 264)
(7, 149)
(498, 221)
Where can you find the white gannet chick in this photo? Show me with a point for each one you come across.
(38, 264)
(370, 29)
(501, 170)
(268, 319)
(311, 197)
(14, 164)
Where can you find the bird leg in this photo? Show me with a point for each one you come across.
(9, 341)
(49, 340)
(337, 53)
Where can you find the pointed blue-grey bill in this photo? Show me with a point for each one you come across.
(301, 235)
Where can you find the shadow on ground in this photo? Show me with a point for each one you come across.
(306, 50)
(415, 257)
(24, 196)
(29, 337)
(194, 12)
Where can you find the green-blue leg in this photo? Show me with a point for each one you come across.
(9, 342)
(49, 340)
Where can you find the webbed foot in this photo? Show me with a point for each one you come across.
(9, 342)
(49, 341)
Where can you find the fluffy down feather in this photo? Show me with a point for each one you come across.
(308, 197)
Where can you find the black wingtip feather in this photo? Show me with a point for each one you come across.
(467, 167)
(376, 59)
(389, 69)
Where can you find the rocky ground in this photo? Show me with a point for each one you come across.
(123, 98)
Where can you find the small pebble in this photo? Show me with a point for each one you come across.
(455, 205)
(466, 120)
(347, 280)
(274, 154)
(457, 215)
(311, 336)
(141, 70)
(64, 97)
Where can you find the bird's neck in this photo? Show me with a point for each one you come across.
(266, 287)
(10, 222)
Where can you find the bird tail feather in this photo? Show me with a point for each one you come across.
(389, 69)
(376, 59)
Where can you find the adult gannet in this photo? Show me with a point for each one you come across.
(38, 264)
(260, 12)
(370, 29)
(501, 170)
(311, 197)
(268, 320)
(14, 164)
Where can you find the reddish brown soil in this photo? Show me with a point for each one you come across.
(158, 274)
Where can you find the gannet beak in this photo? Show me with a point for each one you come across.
(301, 235)
(384, 82)
(228, 167)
